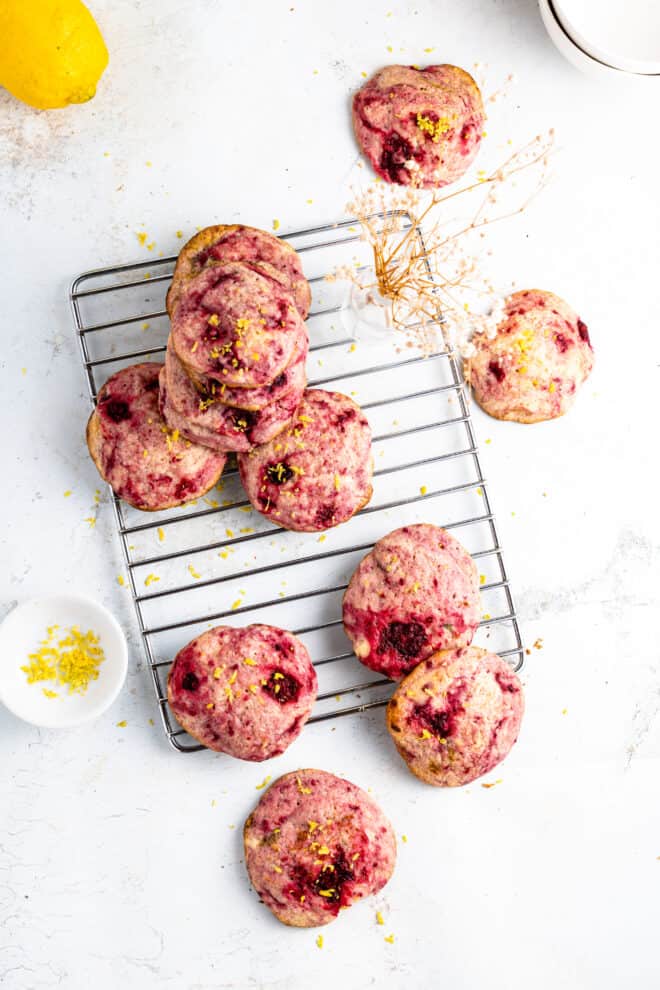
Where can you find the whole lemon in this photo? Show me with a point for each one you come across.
(52, 52)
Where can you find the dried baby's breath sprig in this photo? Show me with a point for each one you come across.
(426, 265)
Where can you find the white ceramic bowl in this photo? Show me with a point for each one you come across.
(20, 634)
(580, 57)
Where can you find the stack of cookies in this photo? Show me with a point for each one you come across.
(234, 371)
(234, 381)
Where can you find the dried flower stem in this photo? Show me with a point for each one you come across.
(421, 264)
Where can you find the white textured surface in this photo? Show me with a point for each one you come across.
(116, 870)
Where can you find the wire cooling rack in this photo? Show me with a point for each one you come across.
(218, 561)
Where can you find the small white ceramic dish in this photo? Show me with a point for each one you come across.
(21, 633)
(596, 53)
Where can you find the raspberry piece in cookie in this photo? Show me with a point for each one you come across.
(235, 242)
(246, 692)
(416, 592)
(315, 844)
(209, 421)
(419, 127)
(236, 324)
(532, 368)
(456, 716)
(147, 464)
(317, 473)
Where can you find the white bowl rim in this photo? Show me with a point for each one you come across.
(581, 59)
(605, 55)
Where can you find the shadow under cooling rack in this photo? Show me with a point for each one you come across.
(217, 560)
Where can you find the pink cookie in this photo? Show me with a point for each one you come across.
(456, 716)
(292, 379)
(416, 592)
(317, 473)
(532, 369)
(419, 127)
(146, 464)
(246, 692)
(236, 324)
(210, 422)
(315, 844)
(235, 242)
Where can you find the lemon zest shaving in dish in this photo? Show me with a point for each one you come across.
(379, 918)
(319, 938)
(264, 783)
(73, 660)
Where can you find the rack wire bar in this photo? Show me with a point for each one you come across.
(120, 317)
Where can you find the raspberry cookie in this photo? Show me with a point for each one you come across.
(416, 592)
(531, 369)
(145, 463)
(315, 844)
(292, 379)
(235, 242)
(246, 692)
(456, 716)
(316, 474)
(237, 325)
(420, 127)
(210, 422)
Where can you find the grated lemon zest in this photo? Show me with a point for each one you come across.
(73, 660)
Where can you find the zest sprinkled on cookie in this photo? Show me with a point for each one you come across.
(246, 691)
(236, 324)
(456, 715)
(419, 127)
(314, 845)
(532, 368)
(416, 592)
(317, 473)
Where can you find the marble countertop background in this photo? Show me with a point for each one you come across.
(120, 860)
